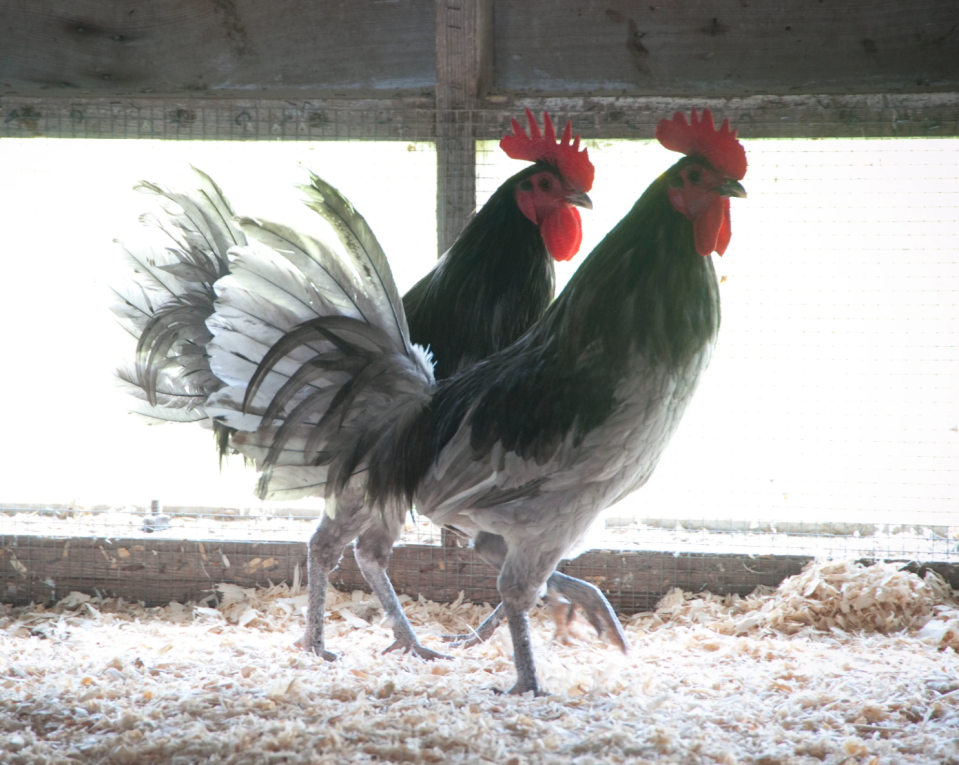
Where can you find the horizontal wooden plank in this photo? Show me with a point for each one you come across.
(204, 118)
(158, 571)
(934, 115)
(155, 571)
(182, 46)
(415, 119)
(718, 48)
(726, 47)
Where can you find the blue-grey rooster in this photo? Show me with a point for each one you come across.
(483, 294)
(520, 451)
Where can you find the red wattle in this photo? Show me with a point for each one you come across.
(726, 231)
(562, 232)
(708, 225)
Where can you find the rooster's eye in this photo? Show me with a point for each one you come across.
(545, 183)
(695, 175)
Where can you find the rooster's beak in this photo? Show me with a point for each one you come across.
(580, 200)
(732, 188)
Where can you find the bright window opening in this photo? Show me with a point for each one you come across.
(832, 404)
(831, 408)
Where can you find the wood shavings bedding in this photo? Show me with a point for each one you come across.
(709, 680)
(836, 595)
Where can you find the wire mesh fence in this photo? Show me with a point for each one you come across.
(826, 426)
(218, 120)
(827, 421)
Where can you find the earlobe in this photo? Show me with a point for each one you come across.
(677, 201)
(525, 203)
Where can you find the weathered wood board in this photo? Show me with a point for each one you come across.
(464, 71)
(157, 571)
(69, 47)
(726, 47)
(253, 119)
(934, 115)
(718, 48)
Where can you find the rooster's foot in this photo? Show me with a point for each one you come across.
(599, 613)
(481, 634)
(519, 689)
(415, 647)
(305, 644)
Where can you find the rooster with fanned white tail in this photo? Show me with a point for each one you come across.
(484, 293)
(520, 451)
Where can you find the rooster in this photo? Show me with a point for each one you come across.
(497, 278)
(520, 451)
(485, 292)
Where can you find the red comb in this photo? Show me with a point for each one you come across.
(719, 147)
(565, 154)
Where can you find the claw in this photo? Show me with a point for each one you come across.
(481, 634)
(420, 650)
(519, 690)
(596, 621)
(463, 641)
(305, 644)
(563, 612)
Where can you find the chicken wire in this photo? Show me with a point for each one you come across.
(827, 423)
(213, 120)
(826, 426)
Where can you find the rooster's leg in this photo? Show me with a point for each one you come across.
(373, 550)
(492, 549)
(594, 604)
(325, 549)
(518, 620)
(523, 574)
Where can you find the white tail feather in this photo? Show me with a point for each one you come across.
(298, 343)
(345, 334)
(168, 295)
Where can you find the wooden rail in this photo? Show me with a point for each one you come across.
(157, 571)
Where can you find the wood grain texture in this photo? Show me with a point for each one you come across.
(156, 571)
(464, 72)
(194, 118)
(720, 48)
(414, 119)
(185, 46)
(464, 52)
(727, 47)
(927, 115)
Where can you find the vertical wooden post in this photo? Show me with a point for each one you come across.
(464, 70)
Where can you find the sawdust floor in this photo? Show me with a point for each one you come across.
(795, 676)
